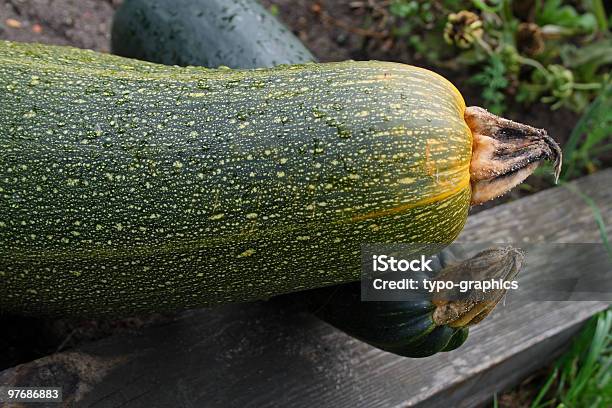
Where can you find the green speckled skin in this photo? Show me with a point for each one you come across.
(131, 187)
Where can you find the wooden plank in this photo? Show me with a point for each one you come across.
(272, 354)
(480, 386)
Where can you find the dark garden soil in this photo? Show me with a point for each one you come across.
(333, 29)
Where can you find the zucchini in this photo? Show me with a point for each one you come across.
(133, 187)
(426, 325)
(405, 328)
(233, 33)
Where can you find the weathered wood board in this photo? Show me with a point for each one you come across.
(272, 354)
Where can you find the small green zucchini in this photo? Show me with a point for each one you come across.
(430, 323)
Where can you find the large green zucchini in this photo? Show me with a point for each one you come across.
(122, 175)
(128, 186)
(233, 33)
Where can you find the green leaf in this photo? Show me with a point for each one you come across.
(403, 8)
(599, 52)
(554, 12)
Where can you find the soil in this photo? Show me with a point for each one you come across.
(333, 29)
(80, 23)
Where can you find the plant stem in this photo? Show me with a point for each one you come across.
(533, 63)
(600, 14)
(586, 87)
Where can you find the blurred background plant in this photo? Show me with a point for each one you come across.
(555, 52)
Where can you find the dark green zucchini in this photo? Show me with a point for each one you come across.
(339, 304)
(210, 33)
(428, 324)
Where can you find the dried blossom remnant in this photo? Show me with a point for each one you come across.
(529, 38)
(504, 153)
(466, 309)
(463, 28)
